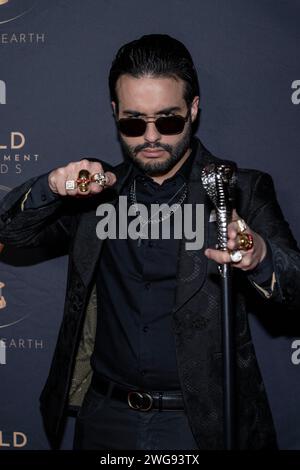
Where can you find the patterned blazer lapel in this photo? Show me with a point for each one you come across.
(192, 264)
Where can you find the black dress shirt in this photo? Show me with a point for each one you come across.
(135, 343)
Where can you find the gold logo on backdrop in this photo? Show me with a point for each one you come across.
(15, 439)
(11, 10)
(14, 9)
(14, 153)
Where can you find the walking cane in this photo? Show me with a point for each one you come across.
(219, 183)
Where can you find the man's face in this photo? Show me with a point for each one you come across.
(152, 97)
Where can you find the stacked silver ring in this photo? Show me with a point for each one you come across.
(70, 185)
(99, 178)
(236, 256)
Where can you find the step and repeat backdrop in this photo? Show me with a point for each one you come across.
(55, 57)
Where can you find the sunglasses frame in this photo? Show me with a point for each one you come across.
(183, 118)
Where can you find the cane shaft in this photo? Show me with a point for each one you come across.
(228, 360)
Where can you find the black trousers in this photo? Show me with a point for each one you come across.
(104, 423)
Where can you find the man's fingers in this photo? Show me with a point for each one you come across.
(66, 181)
(221, 257)
(70, 185)
(110, 181)
(111, 178)
(250, 257)
(235, 228)
(91, 168)
(235, 215)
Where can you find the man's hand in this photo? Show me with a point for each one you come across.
(2, 299)
(251, 258)
(58, 177)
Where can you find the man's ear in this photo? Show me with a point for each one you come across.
(195, 108)
(114, 108)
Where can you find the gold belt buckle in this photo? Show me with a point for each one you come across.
(141, 401)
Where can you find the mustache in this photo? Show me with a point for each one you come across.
(141, 147)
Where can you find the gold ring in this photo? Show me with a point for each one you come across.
(245, 241)
(83, 180)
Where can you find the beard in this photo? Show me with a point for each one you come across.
(176, 152)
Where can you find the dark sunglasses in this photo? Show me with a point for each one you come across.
(168, 125)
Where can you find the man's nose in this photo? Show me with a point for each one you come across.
(151, 133)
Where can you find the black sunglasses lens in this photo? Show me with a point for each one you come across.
(170, 125)
(132, 127)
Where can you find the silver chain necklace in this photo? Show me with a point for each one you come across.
(152, 220)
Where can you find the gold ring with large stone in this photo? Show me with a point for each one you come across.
(245, 241)
(83, 180)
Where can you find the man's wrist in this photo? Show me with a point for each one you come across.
(262, 273)
(40, 194)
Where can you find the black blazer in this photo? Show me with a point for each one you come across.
(196, 313)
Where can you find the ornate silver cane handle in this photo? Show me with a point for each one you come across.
(219, 182)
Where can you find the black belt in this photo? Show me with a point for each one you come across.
(140, 399)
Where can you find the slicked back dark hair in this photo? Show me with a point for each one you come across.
(156, 55)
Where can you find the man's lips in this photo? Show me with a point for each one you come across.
(152, 152)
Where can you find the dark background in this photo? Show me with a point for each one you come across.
(247, 56)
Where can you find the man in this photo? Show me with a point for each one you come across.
(150, 374)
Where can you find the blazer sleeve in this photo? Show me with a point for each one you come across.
(48, 224)
(266, 218)
(52, 223)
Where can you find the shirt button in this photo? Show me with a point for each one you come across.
(148, 285)
(145, 329)
(44, 197)
(143, 372)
